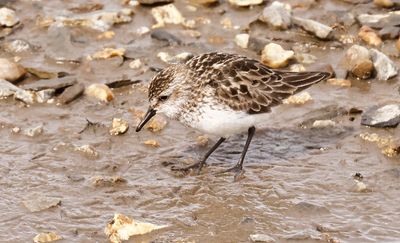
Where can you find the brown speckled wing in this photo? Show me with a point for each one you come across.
(247, 85)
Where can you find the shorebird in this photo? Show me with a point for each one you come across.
(223, 94)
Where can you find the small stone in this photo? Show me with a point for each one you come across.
(15, 130)
(298, 99)
(34, 131)
(319, 30)
(46, 237)
(368, 35)
(106, 35)
(163, 35)
(26, 96)
(152, 2)
(216, 39)
(297, 68)
(274, 56)
(71, 93)
(100, 91)
(227, 23)
(11, 71)
(202, 140)
(324, 123)
(108, 53)
(57, 83)
(18, 46)
(135, 64)
(242, 40)
(245, 3)
(8, 17)
(122, 227)
(385, 68)
(339, 82)
(108, 181)
(142, 30)
(152, 143)
(87, 150)
(156, 124)
(385, 116)
(262, 238)
(44, 95)
(166, 14)
(278, 15)
(38, 203)
(358, 61)
(384, 3)
(119, 126)
(389, 32)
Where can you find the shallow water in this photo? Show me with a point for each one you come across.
(298, 184)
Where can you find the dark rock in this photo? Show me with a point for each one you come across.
(165, 36)
(121, 82)
(384, 116)
(384, 66)
(153, 2)
(57, 83)
(389, 32)
(71, 93)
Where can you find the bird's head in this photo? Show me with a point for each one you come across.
(167, 92)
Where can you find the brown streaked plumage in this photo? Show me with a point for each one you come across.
(223, 94)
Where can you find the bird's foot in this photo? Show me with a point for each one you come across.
(196, 166)
(237, 170)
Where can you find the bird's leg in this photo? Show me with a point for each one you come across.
(199, 165)
(239, 166)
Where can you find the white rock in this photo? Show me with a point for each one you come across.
(8, 17)
(385, 68)
(34, 131)
(274, 56)
(7, 89)
(262, 238)
(166, 14)
(371, 19)
(245, 3)
(324, 123)
(26, 96)
(319, 30)
(242, 40)
(142, 30)
(278, 15)
(100, 91)
(43, 96)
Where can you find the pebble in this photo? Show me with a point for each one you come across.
(87, 150)
(45, 95)
(152, 143)
(305, 58)
(100, 91)
(358, 61)
(106, 35)
(360, 186)
(34, 131)
(339, 82)
(18, 45)
(166, 14)
(389, 32)
(379, 21)
(278, 15)
(245, 3)
(108, 53)
(135, 64)
(8, 17)
(142, 30)
(7, 89)
(242, 40)
(156, 124)
(368, 35)
(323, 123)
(56, 84)
(119, 126)
(108, 181)
(274, 56)
(163, 35)
(385, 68)
(26, 96)
(298, 99)
(10, 70)
(385, 116)
(71, 93)
(36, 203)
(152, 2)
(297, 68)
(319, 30)
(202, 140)
(387, 3)
(262, 238)
(46, 237)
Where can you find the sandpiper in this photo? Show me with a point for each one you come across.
(223, 94)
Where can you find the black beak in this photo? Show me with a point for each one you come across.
(149, 114)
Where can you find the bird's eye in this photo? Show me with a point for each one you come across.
(163, 98)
